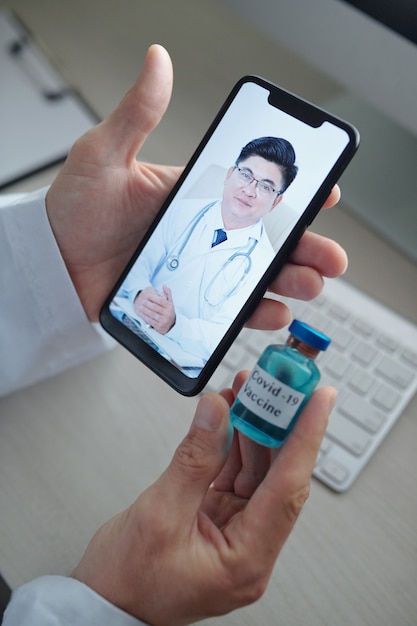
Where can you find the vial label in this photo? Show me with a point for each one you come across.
(269, 398)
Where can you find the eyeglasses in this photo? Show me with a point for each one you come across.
(247, 179)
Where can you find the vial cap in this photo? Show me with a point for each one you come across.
(308, 334)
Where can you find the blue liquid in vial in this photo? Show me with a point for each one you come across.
(295, 370)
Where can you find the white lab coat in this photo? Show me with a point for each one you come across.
(43, 330)
(203, 313)
(43, 326)
(62, 601)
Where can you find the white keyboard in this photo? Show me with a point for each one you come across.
(372, 361)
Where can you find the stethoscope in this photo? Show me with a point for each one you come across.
(237, 278)
(173, 260)
(243, 255)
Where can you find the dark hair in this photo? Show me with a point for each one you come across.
(276, 150)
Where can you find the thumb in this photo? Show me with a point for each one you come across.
(200, 456)
(141, 109)
(167, 292)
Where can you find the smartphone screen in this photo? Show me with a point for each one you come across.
(255, 183)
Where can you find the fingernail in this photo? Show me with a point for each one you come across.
(209, 414)
(332, 399)
(346, 264)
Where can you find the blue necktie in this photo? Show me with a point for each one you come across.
(219, 237)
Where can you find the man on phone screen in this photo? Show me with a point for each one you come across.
(199, 266)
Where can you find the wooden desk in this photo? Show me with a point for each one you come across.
(78, 448)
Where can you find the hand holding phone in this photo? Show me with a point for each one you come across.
(254, 184)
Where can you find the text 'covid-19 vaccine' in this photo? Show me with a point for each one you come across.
(279, 386)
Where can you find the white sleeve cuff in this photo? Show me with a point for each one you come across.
(43, 326)
(61, 601)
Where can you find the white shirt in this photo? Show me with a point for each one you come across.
(201, 284)
(44, 330)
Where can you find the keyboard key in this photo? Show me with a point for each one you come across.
(318, 320)
(341, 337)
(386, 398)
(410, 357)
(221, 378)
(319, 300)
(394, 372)
(363, 327)
(255, 341)
(339, 312)
(347, 434)
(361, 411)
(325, 446)
(298, 309)
(387, 342)
(364, 353)
(337, 366)
(237, 356)
(361, 381)
(335, 471)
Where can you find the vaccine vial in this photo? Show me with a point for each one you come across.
(279, 386)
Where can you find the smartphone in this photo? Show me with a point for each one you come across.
(254, 184)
